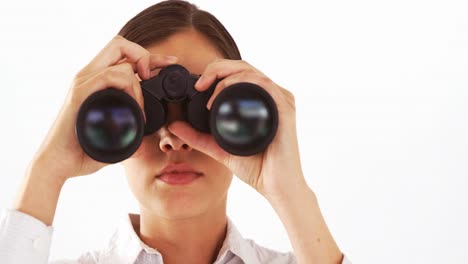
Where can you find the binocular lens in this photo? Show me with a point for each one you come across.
(243, 121)
(110, 126)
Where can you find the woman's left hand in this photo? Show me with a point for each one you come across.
(276, 172)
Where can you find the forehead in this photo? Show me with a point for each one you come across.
(193, 49)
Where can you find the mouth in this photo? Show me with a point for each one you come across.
(178, 174)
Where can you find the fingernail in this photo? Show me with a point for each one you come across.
(171, 59)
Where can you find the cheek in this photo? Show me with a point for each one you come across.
(140, 168)
(133, 172)
(219, 177)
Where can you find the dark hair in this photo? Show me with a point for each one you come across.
(157, 22)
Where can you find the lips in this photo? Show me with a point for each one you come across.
(180, 173)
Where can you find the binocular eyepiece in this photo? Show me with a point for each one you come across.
(110, 126)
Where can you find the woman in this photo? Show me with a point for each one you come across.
(179, 176)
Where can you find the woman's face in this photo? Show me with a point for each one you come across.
(162, 148)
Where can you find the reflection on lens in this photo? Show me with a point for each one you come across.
(243, 121)
(110, 128)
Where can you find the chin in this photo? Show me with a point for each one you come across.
(180, 206)
(175, 213)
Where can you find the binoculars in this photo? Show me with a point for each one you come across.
(110, 125)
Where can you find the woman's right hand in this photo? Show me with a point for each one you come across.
(115, 66)
(60, 156)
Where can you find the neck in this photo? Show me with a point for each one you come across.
(196, 239)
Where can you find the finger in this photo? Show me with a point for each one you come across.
(139, 95)
(197, 140)
(125, 60)
(156, 61)
(127, 70)
(83, 77)
(220, 69)
(115, 77)
(117, 49)
(250, 77)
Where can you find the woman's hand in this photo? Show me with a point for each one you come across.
(115, 66)
(60, 155)
(276, 171)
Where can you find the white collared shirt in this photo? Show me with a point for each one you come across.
(25, 239)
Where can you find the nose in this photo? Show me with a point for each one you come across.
(170, 142)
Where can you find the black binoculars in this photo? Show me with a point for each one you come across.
(110, 125)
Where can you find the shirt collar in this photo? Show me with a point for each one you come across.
(235, 244)
(125, 245)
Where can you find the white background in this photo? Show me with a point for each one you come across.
(381, 92)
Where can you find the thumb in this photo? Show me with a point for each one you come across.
(200, 141)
